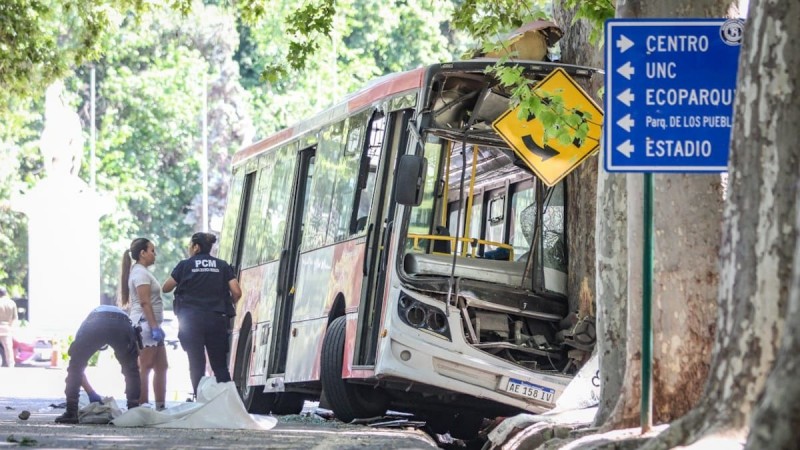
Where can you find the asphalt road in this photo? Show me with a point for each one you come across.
(39, 390)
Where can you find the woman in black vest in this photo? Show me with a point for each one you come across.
(206, 291)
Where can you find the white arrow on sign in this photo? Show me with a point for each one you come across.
(626, 148)
(626, 97)
(626, 123)
(623, 43)
(627, 70)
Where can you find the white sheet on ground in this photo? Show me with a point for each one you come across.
(217, 406)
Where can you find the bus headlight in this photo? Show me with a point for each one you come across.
(422, 316)
(436, 321)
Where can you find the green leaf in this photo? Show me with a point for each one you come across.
(573, 120)
(547, 118)
(564, 137)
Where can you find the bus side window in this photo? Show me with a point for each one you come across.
(229, 243)
(368, 170)
(320, 195)
(256, 240)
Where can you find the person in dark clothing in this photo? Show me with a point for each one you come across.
(205, 291)
(105, 325)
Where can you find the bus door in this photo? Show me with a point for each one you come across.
(233, 235)
(287, 270)
(387, 135)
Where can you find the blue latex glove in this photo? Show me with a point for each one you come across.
(157, 334)
(94, 397)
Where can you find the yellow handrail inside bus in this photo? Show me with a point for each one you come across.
(469, 196)
(446, 181)
(473, 243)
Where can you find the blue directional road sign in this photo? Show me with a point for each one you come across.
(670, 87)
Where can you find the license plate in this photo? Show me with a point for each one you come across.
(530, 390)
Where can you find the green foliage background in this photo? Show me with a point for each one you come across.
(258, 65)
(150, 64)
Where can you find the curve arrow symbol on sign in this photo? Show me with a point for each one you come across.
(626, 70)
(545, 153)
(626, 148)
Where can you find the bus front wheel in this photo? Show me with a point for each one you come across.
(348, 401)
(287, 403)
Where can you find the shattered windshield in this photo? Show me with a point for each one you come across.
(480, 211)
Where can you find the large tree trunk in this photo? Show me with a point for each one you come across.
(687, 217)
(777, 416)
(582, 182)
(776, 420)
(626, 411)
(759, 238)
(687, 212)
(612, 288)
(596, 230)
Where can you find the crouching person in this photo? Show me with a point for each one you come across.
(105, 325)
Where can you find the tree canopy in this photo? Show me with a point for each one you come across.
(246, 63)
(155, 67)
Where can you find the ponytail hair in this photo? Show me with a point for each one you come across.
(204, 240)
(133, 253)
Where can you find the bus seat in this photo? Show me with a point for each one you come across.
(361, 223)
(442, 246)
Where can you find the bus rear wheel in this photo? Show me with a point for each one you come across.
(253, 397)
(348, 401)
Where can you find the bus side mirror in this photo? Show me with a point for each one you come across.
(410, 180)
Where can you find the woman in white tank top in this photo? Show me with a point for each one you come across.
(141, 295)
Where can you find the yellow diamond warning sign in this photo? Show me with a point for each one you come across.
(554, 159)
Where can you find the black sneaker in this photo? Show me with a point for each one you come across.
(67, 417)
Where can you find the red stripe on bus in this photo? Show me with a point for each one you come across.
(393, 85)
(263, 144)
(402, 82)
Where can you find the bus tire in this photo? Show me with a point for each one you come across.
(288, 403)
(347, 401)
(254, 399)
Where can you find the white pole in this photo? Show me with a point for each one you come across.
(92, 132)
(204, 162)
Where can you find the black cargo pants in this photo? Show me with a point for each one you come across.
(100, 329)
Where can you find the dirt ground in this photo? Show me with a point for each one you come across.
(39, 391)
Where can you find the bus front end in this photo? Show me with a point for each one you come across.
(477, 319)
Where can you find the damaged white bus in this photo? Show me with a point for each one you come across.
(395, 253)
